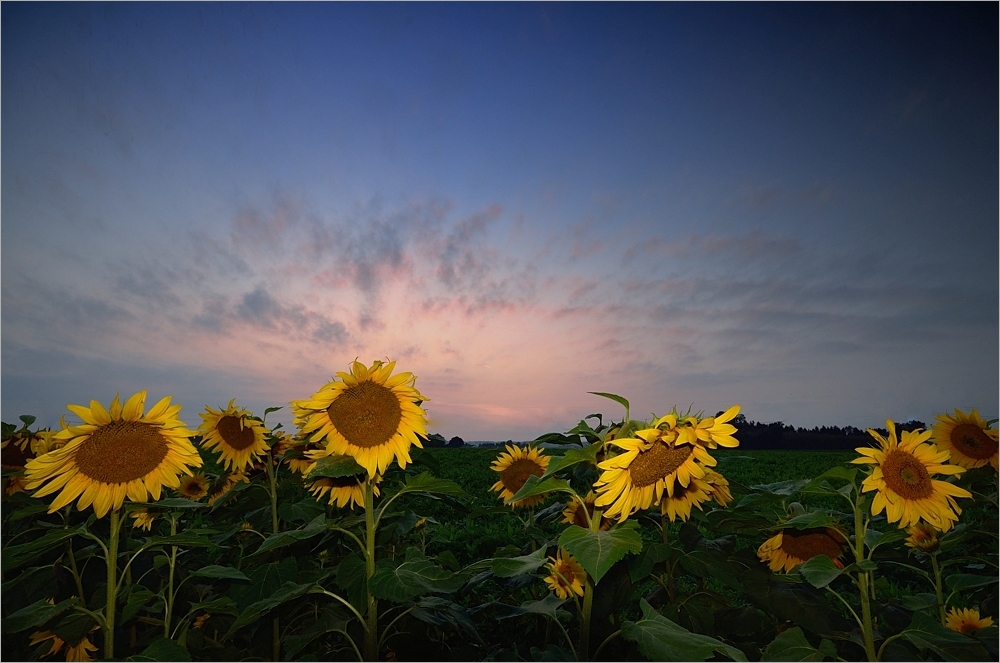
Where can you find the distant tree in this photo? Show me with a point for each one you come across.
(434, 440)
(456, 442)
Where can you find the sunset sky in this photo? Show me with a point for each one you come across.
(790, 207)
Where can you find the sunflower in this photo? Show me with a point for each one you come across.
(677, 503)
(718, 487)
(789, 547)
(77, 652)
(966, 621)
(42, 636)
(235, 434)
(80, 651)
(298, 461)
(922, 537)
(566, 576)
(349, 490)
(573, 514)
(902, 477)
(651, 465)
(115, 454)
(143, 518)
(713, 432)
(20, 447)
(194, 487)
(226, 484)
(969, 440)
(515, 466)
(368, 413)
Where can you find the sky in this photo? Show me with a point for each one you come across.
(791, 207)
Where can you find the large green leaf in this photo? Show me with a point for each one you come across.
(820, 571)
(781, 487)
(961, 581)
(330, 620)
(538, 486)
(428, 484)
(927, 633)
(508, 567)
(36, 614)
(615, 397)
(839, 473)
(598, 551)
(412, 578)
(257, 609)
(791, 645)
(222, 572)
(587, 454)
(15, 556)
(809, 520)
(264, 581)
(548, 605)
(660, 639)
(875, 538)
(315, 527)
(642, 564)
(335, 466)
(162, 649)
(175, 503)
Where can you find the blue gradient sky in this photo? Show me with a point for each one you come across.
(791, 207)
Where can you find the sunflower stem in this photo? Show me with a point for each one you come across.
(937, 588)
(371, 633)
(112, 589)
(172, 561)
(864, 578)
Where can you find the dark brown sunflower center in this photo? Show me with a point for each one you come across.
(566, 570)
(968, 627)
(516, 474)
(194, 487)
(658, 463)
(580, 516)
(367, 414)
(352, 481)
(121, 451)
(972, 441)
(235, 432)
(806, 544)
(906, 475)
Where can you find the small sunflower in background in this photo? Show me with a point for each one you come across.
(77, 652)
(718, 487)
(296, 456)
(20, 447)
(713, 432)
(574, 513)
(143, 518)
(966, 621)
(652, 464)
(790, 547)
(194, 487)
(226, 484)
(678, 502)
(903, 478)
(114, 454)
(566, 577)
(235, 434)
(922, 537)
(369, 414)
(515, 466)
(968, 438)
(344, 491)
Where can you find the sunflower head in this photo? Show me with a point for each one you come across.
(574, 513)
(515, 466)
(566, 576)
(344, 491)
(718, 487)
(923, 537)
(966, 621)
(711, 432)
(142, 518)
(115, 453)
(369, 414)
(653, 463)
(903, 478)
(677, 504)
(238, 436)
(194, 487)
(790, 547)
(968, 438)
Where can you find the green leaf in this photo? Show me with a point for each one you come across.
(587, 454)
(269, 410)
(315, 527)
(412, 578)
(820, 571)
(254, 611)
(839, 473)
(538, 486)
(352, 579)
(185, 539)
(136, 600)
(809, 520)
(329, 621)
(173, 503)
(223, 572)
(781, 487)
(429, 484)
(335, 466)
(598, 551)
(616, 398)
(162, 649)
(508, 567)
(927, 633)
(548, 606)
(791, 645)
(15, 556)
(264, 581)
(36, 614)
(660, 639)
(917, 602)
(959, 582)
(874, 538)
(642, 564)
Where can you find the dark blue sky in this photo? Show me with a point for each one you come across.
(789, 206)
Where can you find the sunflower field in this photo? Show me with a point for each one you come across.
(128, 536)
